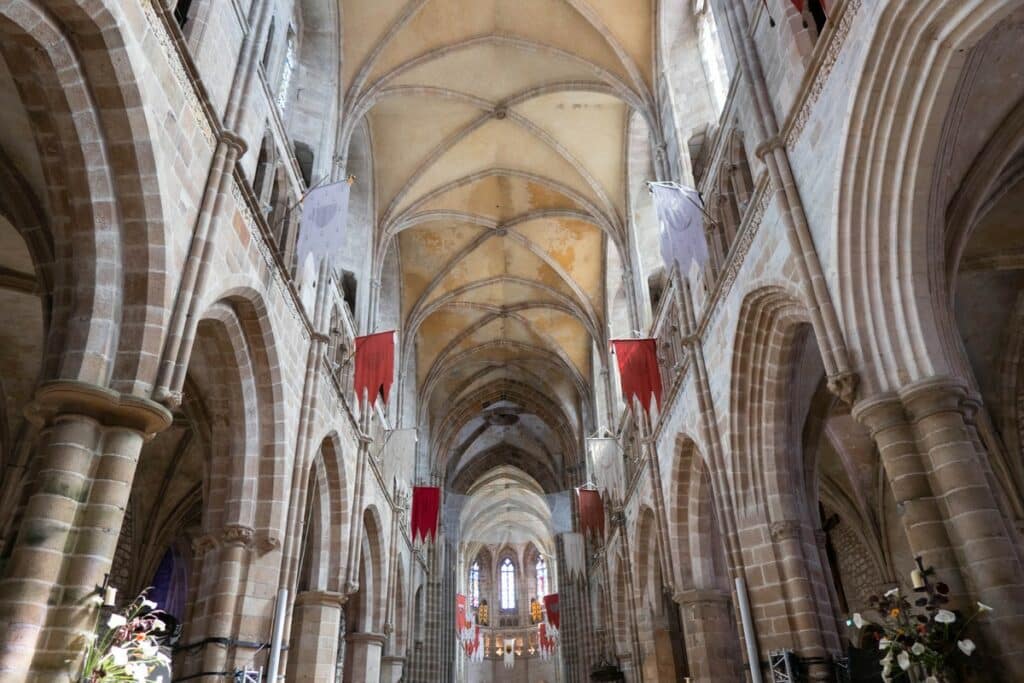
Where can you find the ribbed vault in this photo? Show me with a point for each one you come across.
(498, 131)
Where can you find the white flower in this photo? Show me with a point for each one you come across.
(966, 646)
(903, 659)
(138, 671)
(858, 620)
(159, 625)
(148, 604)
(982, 607)
(944, 616)
(884, 644)
(892, 591)
(148, 648)
(917, 649)
(119, 655)
(116, 621)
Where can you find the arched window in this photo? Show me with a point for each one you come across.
(508, 585)
(474, 584)
(542, 577)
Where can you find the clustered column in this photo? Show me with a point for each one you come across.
(947, 506)
(89, 448)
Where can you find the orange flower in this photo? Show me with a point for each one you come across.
(894, 612)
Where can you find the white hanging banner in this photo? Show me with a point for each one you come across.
(324, 217)
(681, 214)
(510, 653)
(575, 560)
(609, 473)
(399, 457)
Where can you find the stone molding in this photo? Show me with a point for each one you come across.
(107, 407)
(369, 638)
(321, 598)
(933, 395)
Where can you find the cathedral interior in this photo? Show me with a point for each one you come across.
(484, 425)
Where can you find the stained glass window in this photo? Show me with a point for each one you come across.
(542, 578)
(474, 584)
(508, 585)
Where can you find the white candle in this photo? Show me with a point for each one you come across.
(110, 596)
(917, 579)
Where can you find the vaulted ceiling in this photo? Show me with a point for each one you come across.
(498, 133)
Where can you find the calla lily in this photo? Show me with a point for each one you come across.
(903, 659)
(892, 591)
(966, 646)
(148, 604)
(119, 655)
(944, 616)
(982, 607)
(918, 649)
(116, 621)
(858, 620)
(884, 644)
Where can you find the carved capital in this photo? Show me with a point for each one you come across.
(769, 145)
(268, 543)
(881, 412)
(203, 545)
(933, 395)
(784, 530)
(234, 142)
(844, 386)
(236, 534)
(106, 406)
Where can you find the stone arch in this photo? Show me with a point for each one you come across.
(323, 546)
(242, 318)
(371, 600)
(75, 79)
(892, 299)
(771, 323)
(684, 465)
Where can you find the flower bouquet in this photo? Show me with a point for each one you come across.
(128, 649)
(922, 641)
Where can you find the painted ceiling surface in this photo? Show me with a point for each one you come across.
(498, 131)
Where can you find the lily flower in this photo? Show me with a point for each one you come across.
(966, 646)
(944, 616)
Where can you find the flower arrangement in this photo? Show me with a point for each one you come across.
(128, 649)
(925, 637)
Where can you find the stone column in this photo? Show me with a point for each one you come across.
(90, 441)
(709, 631)
(948, 509)
(233, 560)
(365, 656)
(313, 650)
(391, 668)
(977, 530)
(800, 598)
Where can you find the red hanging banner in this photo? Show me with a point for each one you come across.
(638, 370)
(591, 511)
(799, 4)
(554, 618)
(426, 503)
(375, 366)
(463, 627)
